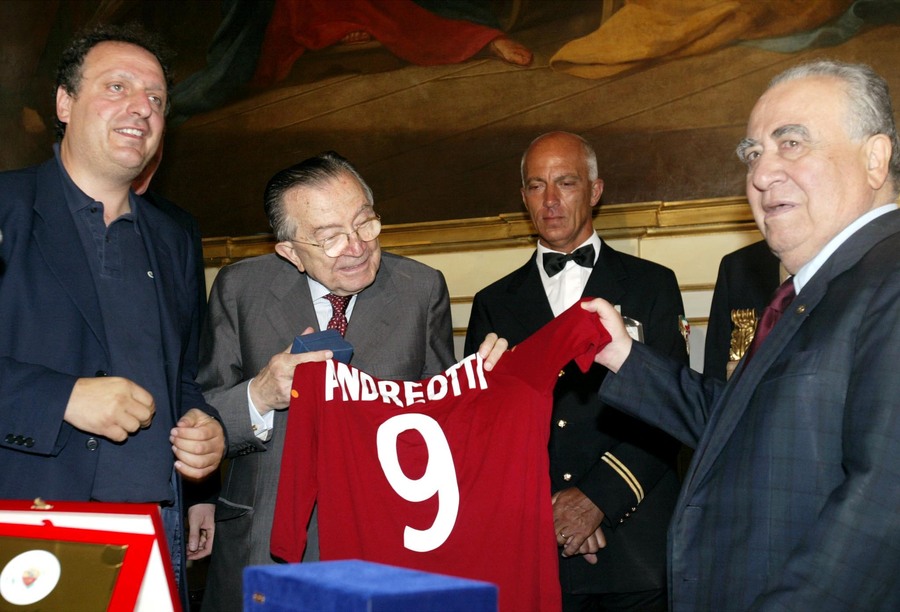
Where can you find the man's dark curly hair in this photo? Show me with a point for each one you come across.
(69, 72)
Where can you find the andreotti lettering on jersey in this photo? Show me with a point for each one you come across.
(357, 386)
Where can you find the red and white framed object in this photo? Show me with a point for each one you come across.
(84, 555)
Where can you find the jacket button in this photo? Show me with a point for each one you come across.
(561, 423)
(567, 477)
(9, 439)
(29, 442)
(91, 444)
(101, 373)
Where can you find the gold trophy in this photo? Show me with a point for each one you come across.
(742, 332)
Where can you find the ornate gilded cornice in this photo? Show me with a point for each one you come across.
(513, 229)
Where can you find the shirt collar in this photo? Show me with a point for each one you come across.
(316, 289)
(805, 273)
(78, 200)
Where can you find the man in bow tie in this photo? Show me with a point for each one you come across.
(613, 477)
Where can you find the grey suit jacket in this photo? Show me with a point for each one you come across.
(791, 500)
(400, 329)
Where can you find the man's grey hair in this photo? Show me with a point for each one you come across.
(868, 103)
(590, 156)
(313, 172)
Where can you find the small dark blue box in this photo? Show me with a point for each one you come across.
(330, 339)
(361, 586)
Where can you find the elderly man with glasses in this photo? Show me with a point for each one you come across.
(328, 271)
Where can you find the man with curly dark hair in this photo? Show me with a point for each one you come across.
(98, 336)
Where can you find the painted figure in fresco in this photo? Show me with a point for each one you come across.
(646, 31)
(259, 41)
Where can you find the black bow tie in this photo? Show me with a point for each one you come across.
(555, 262)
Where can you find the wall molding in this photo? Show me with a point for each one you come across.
(636, 220)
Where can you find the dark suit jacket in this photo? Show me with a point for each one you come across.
(747, 278)
(400, 329)
(51, 334)
(792, 497)
(584, 428)
(207, 490)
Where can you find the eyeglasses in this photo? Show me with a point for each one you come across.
(334, 245)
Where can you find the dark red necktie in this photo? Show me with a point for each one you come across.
(338, 308)
(784, 295)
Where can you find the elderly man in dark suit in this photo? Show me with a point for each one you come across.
(791, 500)
(614, 477)
(397, 318)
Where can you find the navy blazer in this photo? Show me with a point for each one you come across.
(791, 501)
(51, 334)
(584, 428)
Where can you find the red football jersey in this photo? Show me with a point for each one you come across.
(447, 475)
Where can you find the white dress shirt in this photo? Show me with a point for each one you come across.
(565, 288)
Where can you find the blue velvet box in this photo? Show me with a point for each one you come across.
(328, 339)
(352, 586)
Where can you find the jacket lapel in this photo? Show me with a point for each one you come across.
(291, 306)
(607, 280)
(58, 240)
(527, 303)
(739, 392)
(169, 284)
(373, 312)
